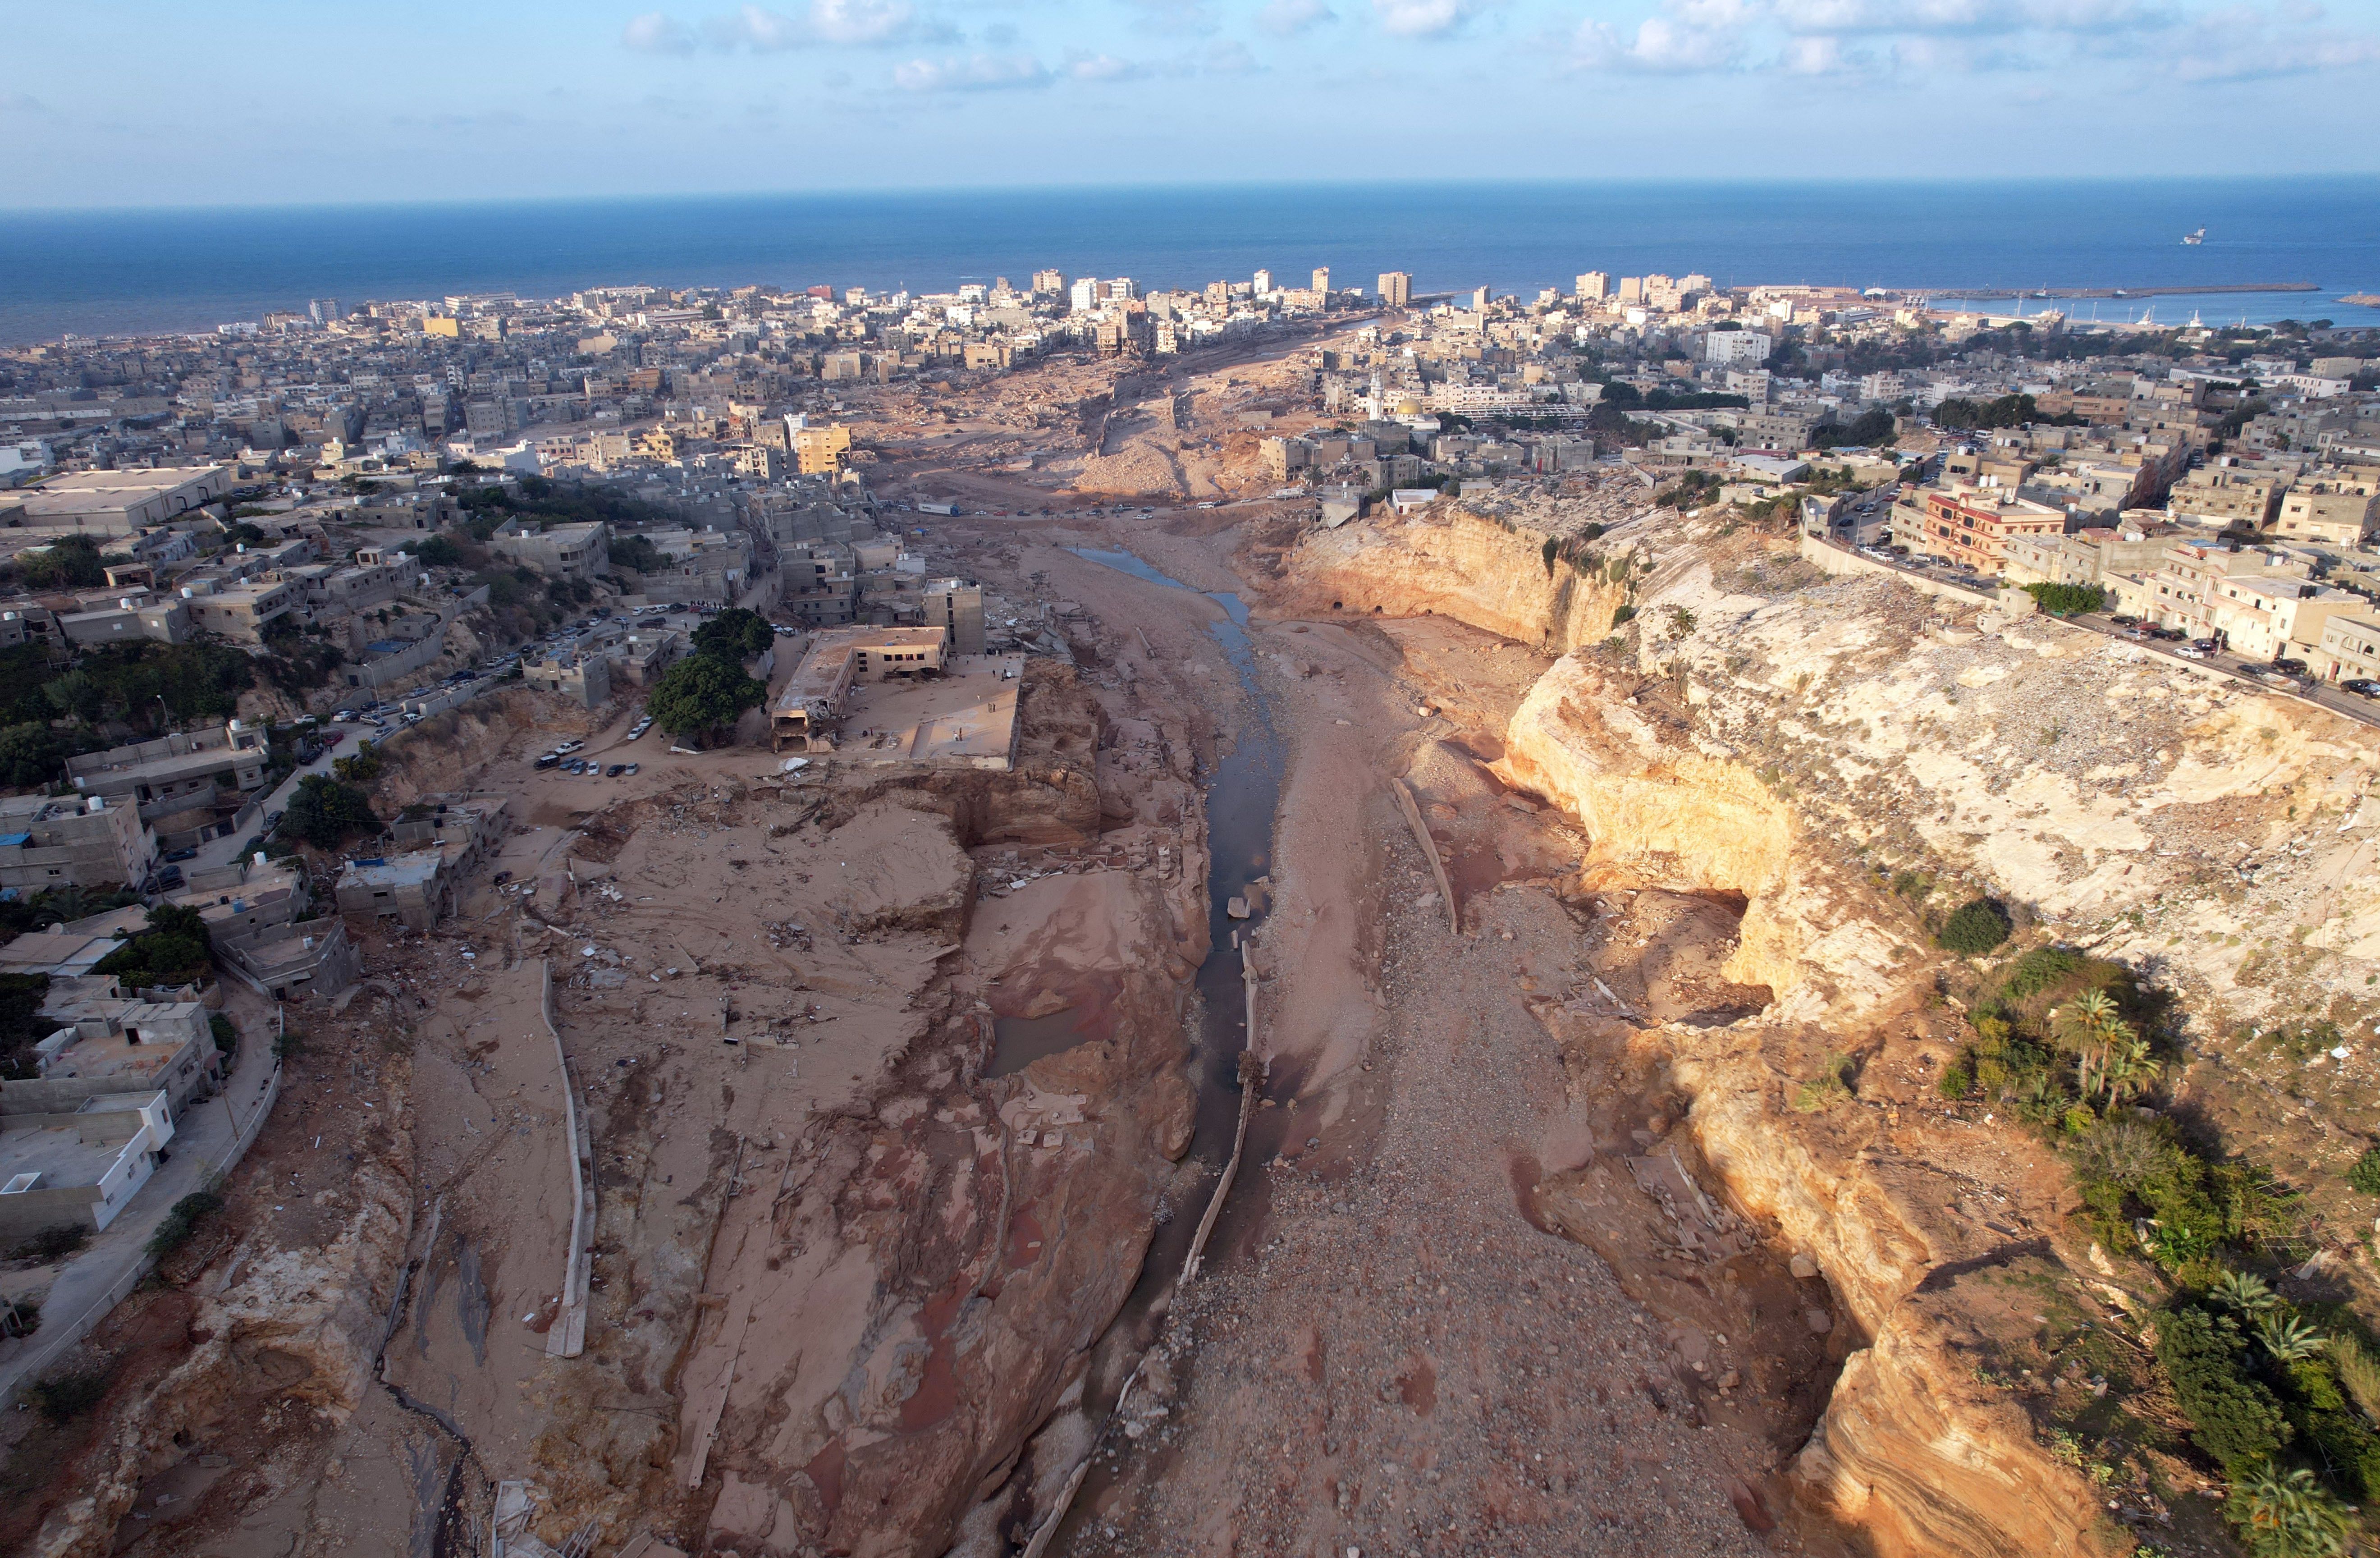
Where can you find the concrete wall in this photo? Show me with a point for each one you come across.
(1841, 562)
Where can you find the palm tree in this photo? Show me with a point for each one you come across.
(2288, 1340)
(2243, 1291)
(2289, 1514)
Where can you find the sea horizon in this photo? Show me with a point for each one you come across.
(163, 270)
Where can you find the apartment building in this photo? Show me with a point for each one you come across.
(2339, 511)
(2227, 495)
(576, 552)
(186, 786)
(2349, 649)
(1396, 289)
(72, 841)
(1971, 526)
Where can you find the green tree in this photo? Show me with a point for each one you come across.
(1975, 928)
(637, 553)
(174, 949)
(2068, 599)
(29, 755)
(701, 695)
(70, 563)
(2287, 1514)
(325, 814)
(438, 552)
(736, 634)
(21, 1024)
(2234, 1417)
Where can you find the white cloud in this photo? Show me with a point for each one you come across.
(1424, 19)
(1918, 37)
(1684, 35)
(863, 21)
(2243, 44)
(1175, 16)
(830, 23)
(976, 73)
(655, 33)
(1229, 56)
(1287, 18)
(1104, 68)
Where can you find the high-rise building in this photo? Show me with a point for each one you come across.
(1593, 287)
(1632, 290)
(1049, 283)
(1479, 299)
(1263, 282)
(1086, 294)
(324, 309)
(1120, 290)
(1396, 288)
(1322, 279)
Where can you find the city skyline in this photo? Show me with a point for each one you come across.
(527, 100)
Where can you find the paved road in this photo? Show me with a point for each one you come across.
(94, 1281)
(2321, 694)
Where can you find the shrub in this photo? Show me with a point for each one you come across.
(2234, 1418)
(62, 1398)
(1958, 1080)
(2068, 599)
(2039, 970)
(181, 1221)
(1975, 928)
(2287, 1514)
(2365, 1174)
(1624, 613)
(51, 1244)
(1829, 1086)
(174, 950)
(361, 768)
(226, 1036)
(324, 812)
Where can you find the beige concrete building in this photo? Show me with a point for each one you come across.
(2337, 512)
(578, 551)
(117, 503)
(808, 713)
(73, 841)
(2349, 649)
(2221, 495)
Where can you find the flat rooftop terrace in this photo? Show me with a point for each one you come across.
(964, 718)
(58, 1154)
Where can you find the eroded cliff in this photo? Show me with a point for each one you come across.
(1809, 744)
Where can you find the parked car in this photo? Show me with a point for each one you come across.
(2125, 620)
(181, 854)
(2205, 646)
(615, 770)
(2190, 652)
(551, 759)
(632, 771)
(2362, 687)
(272, 819)
(2291, 667)
(169, 879)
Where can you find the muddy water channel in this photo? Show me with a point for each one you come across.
(1243, 791)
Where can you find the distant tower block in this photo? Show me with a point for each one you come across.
(1396, 289)
(1322, 281)
(1593, 287)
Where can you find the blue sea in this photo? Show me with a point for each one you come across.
(114, 271)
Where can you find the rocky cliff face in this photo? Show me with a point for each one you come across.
(285, 1331)
(1802, 742)
(1493, 572)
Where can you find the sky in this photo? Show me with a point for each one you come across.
(138, 102)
